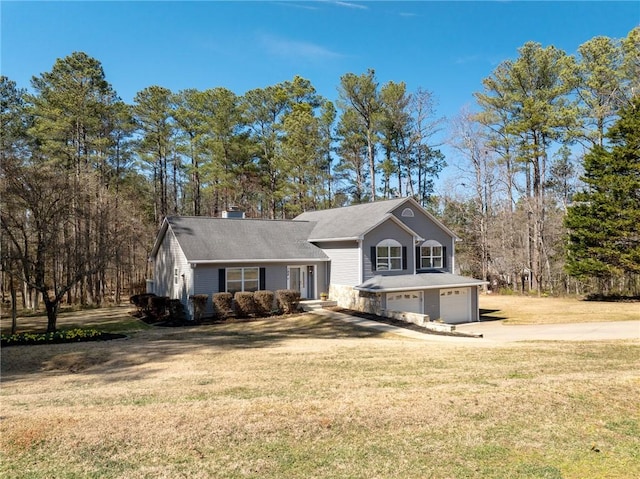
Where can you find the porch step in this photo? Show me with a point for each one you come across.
(314, 304)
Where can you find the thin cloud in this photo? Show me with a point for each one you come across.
(305, 6)
(284, 47)
(352, 5)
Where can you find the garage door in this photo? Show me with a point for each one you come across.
(455, 305)
(405, 302)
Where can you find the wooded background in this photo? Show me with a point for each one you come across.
(87, 179)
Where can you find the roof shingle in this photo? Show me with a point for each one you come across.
(224, 239)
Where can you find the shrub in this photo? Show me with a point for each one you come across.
(222, 304)
(288, 300)
(176, 311)
(199, 304)
(157, 307)
(244, 304)
(141, 301)
(264, 302)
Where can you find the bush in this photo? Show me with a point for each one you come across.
(141, 301)
(222, 305)
(199, 305)
(264, 302)
(157, 307)
(288, 300)
(244, 304)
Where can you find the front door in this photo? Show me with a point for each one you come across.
(297, 279)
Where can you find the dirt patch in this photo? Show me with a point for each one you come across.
(74, 362)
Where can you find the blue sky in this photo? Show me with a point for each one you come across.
(444, 47)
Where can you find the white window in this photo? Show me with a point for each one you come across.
(431, 255)
(242, 279)
(388, 255)
(175, 275)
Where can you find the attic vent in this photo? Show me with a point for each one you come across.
(407, 213)
(233, 212)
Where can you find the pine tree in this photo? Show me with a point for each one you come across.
(604, 221)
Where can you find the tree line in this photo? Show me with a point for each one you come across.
(526, 151)
(87, 178)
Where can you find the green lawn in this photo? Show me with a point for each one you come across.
(305, 397)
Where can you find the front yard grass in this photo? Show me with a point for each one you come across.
(302, 397)
(515, 309)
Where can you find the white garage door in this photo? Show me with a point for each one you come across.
(405, 302)
(455, 305)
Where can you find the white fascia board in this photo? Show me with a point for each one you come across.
(257, 260)
(324, 240)
(420, 288)
(159, 238)
(432, 218)
(392, 217)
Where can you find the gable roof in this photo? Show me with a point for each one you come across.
(353, 222)
(208, 240)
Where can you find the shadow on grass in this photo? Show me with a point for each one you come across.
(144, 352)
(487, 315)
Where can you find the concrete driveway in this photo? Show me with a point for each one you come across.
(498, 331)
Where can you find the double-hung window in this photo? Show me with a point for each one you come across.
(388, 255)
(431, 255)
(242, 279)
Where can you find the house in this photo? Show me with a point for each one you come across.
(381, 257)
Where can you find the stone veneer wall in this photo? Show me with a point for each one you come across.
(349, 298)
(415, 318)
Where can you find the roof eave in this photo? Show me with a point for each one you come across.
(418, 288)
(348, 238)
(256, 260)
(392, 217)
(159, 238)
(431, 217)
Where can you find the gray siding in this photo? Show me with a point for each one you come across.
(427, 229)
(206, 278)
(345, 261)
(475, 304)
(432, 303)
(387, 230)
(169, 258)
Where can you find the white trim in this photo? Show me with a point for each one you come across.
(257, 261)
(402, 225)
(303, 279)
(315, 294)
(387, 244)
(326, 240)
(438, 223)
(407, 213)
(418, 288)
(360, 262)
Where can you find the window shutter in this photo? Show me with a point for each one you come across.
(444, 257)
(418, 262)
(373, 258)
(222, 280)
(263, 279)
(404, 257)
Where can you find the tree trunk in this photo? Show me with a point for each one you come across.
(14, 307)
(52, 313)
